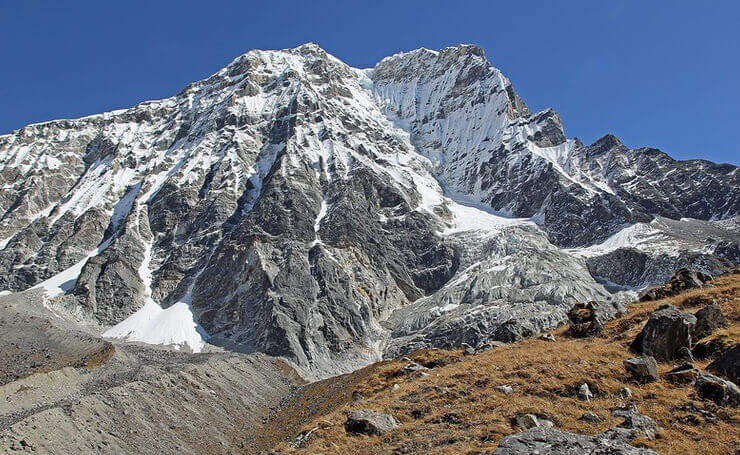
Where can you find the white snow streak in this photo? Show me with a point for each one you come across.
(65, 280)
(176, 326)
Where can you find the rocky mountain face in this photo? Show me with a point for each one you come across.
(484, 143)
(293, 205)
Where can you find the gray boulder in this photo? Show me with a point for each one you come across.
(722, 392)
(547, 441)
(624, 393)
(637, 425)
(683, 374)
(505, 389)
(590, 417)
(642, 369)
(708, 319)
(527, 421)
(666, 332)
(365, 421)
(727, 364)
(533, 421)
(584, 393)
(689, 279)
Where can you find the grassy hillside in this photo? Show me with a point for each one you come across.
(455, 409)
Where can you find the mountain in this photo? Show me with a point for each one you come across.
(295, 206)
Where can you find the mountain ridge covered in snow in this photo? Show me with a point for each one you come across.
(293, 205)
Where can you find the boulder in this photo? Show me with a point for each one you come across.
(708, 319)
(531, 421)
(590, 417)
(638, 425)
(527, 421)
(727, 364)
(586, 329)
(683, 375)
(642, 369)
(722, 392)
(584, 393)
(365, 421)
(666, 332)
(544, 441)
(624, 393)
(690, 279)
(505, 389)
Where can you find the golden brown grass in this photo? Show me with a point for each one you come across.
(455, 409)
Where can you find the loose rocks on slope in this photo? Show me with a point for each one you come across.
(683, 280)
(544, 441)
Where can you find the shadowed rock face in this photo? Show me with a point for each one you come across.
(728, 364)
(667, 331)
(306, 209)
(708, 319)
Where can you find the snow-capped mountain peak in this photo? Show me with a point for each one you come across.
(294, 205)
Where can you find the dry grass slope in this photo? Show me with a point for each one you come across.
(455, 409)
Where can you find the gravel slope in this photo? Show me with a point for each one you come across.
(88, 396)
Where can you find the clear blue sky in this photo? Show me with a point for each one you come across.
(655, 73)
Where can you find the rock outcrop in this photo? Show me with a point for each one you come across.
(635, 425)
(683, 374)
(683, 280)
(528, 421)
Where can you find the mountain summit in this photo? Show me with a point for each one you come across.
(293, 205)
